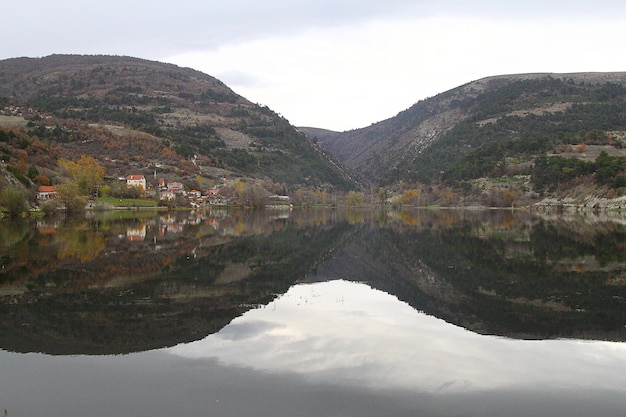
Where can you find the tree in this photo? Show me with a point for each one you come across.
(354, 198)
(255, 195)
(13, 200)
(382, 196)
(69, 194)
(86, 172)
(410, 196)
(608, 168)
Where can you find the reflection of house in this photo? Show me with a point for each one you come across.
(46, 192)
(47, 228)
(170, 225)
(136, 233)
(138, 181)
(214, 223)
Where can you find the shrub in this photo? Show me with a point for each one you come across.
(13, 200)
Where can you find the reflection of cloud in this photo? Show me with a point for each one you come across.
(347, 332)
(246, 330)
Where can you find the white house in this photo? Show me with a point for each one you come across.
(46, 192)
(138, 181)
(167, 195)
(176, 187)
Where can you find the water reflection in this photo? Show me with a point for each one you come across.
(131, 281)
(357, 313)
(346, 333)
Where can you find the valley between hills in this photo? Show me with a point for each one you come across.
(84, 124)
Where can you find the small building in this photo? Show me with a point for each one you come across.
(46, 192)
(279, 198)
(138, 181)
(167, 195)
(194, 194)
(176, 187)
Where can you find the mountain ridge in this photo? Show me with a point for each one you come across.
(500, 140)
(425, 120)
(491, 127)
(184, 112)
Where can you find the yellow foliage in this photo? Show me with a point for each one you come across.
(354, 198)
(410, 219)
(410, 196)
(86, 172)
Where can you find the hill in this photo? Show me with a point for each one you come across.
(492, 128)
(135, 116)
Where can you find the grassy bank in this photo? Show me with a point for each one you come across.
(126, 202)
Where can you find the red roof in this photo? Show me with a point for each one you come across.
(46, 189)
(135, 177)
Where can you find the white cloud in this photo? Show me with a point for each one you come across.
(338, 64)
(348, 77)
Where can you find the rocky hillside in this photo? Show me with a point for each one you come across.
(135, 115)
(489, 128)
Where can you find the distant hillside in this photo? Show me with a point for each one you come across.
(135, 115)
(493, 127)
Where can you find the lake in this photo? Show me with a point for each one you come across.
(314, 313)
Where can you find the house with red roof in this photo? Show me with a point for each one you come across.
(176, 187)
(138, 181)
(46, 192)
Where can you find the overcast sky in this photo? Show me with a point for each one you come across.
(336, 64)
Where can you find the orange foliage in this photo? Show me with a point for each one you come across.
(41, 180)
(410, 196)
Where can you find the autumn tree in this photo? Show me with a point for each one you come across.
(87, 173)
(251, 194)
(13, 200)
(354, 199)
(255, 195)
(382, 195)
(69, 194)
(410, 196)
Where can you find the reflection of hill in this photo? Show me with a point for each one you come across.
(505, 273)
(159, 292)
(516, 279)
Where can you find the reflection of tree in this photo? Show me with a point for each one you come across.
(472, 268)
(83, 245)
(356, 216)
(12, 232)
(604, 243)
(410, 219)
(162, 291)
(494, 275)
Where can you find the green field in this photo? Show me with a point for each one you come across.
(127, 202)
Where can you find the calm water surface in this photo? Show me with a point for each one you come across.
(319, 313)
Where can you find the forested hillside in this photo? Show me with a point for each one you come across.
(532, 135)
(499, 141)
(137, 116)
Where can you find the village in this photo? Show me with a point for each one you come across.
(174, 194)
